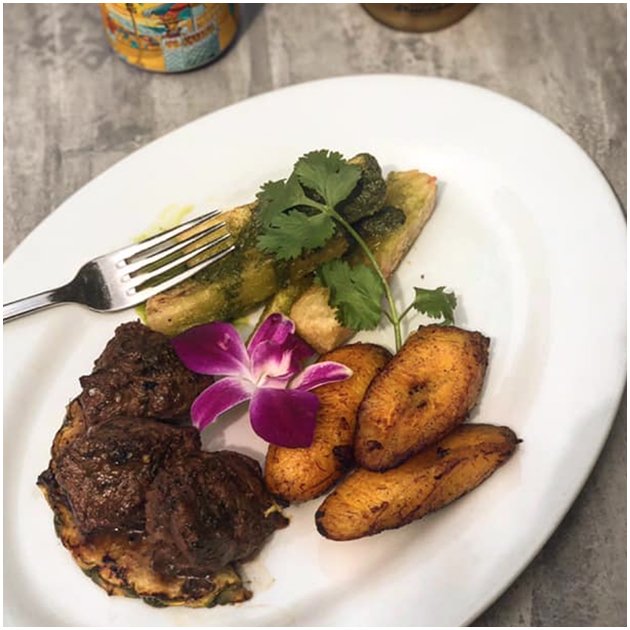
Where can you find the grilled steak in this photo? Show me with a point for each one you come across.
(207, 510)
(142, 509)
(139, 375)
(105, 473)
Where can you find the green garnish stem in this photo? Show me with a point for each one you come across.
(404, 313)
(355, 292)
(393, 316)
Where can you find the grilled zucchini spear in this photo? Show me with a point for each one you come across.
(248, 276)
(389, 236)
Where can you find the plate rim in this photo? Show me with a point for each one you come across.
(396, 77)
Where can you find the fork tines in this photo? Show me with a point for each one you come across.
(161, 261)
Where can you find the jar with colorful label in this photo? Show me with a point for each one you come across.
(169, 37)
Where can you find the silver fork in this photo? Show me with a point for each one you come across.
(119, 280)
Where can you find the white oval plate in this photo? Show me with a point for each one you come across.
(528, 234)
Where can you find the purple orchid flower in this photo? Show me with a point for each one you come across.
(268, 372)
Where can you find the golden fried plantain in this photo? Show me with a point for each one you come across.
(425, 391)
(300, 474)
(367, 502)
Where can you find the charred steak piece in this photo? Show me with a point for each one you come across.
(105, 473)
(207, 510)
(140, 375)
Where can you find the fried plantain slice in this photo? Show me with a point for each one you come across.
(425, 391)
(367, 502)
(300, 474)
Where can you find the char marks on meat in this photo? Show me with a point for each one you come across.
(124, 468)
(139, 375)
(206, 511)
(106, 472)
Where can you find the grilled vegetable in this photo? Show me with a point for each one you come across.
(247, 277)
(283, 300)
(120, 563)
(425, 391)
(300, 474)
(324, 333)
(367, 502)
(412, 192)
(389, 236)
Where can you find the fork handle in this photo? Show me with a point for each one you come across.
(33, 303)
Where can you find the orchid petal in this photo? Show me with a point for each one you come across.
(214, 348)
(271, 360)
(284, 417)
(279, 329)
(320, 374)
(218, 398)
(276, 327)
(300, 350)
(279, 358)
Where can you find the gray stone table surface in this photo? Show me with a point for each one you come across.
(72, 109)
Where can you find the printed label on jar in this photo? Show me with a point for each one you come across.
(169, 37)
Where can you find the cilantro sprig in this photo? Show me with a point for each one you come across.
(299, 214)
(435, 303)
(355, 292)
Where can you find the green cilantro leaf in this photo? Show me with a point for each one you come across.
(286, 231)
(328, 174)
(436, 303)
(355, 293)
(292, 222)
(299, 214)
(292, 232)
(276, 197)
